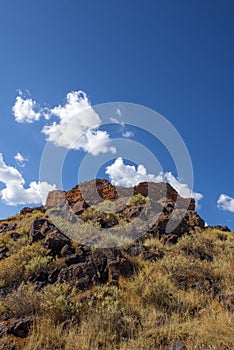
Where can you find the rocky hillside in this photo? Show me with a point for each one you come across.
(155, 292)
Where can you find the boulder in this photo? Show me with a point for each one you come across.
(67, 250)
(15, 236)
(4, 253)
(55, 240)
(82, 275)
(106, 220)
(82, 254)
(111, 264)
(78, 207)
(20, 328)
(56, 199)
(39, 229)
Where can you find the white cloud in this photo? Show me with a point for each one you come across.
(25, 110)
(36, 193)
(183, 189)
(118, 111)
(20, 159)
(226, 202)
(128, 134)
(128, 176)
(15, 193)
(77, 126)
(117, 121)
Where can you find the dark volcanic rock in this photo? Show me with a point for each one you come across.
(55, 240)
(100, 260)
(20, 328)
(15, 236)
(4, 253)
(52, 237)
(87, 267)
(82, 275)
(170, 227)
(67, 250)
(106, 221)
(7, 227)
(219, 228)
(112, 264)
(39, 229)
(27, 210)
(82, 254)
(53, 276)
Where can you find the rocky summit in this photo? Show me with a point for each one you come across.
(155, 290)
(169, 216)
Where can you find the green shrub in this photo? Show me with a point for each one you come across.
(23, 265)
(137, 199)
(56, 303)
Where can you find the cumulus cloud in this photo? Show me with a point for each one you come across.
(20, 159)
(226, 202)
(15, 193)
(9, 174)
(129, 175)
(183, 189)
(25, 110)
(77, 126)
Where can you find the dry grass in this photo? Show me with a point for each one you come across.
(180, 297)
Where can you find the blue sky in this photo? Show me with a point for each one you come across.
(175, 57)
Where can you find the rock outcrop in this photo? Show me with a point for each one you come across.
(95, 191)
(174, 215)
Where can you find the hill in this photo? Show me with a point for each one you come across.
(164, 283)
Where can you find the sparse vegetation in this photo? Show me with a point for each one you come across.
(23, 265)
(138, 199)
(185, 296)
